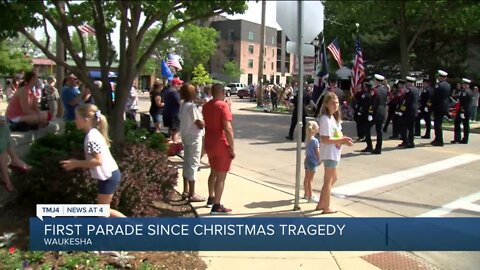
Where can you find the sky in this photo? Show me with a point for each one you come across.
(254, 13)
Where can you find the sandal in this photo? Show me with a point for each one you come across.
(196, 198)
(184, 195)
(23, 169)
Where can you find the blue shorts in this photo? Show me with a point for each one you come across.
(330, 163)
(157, 117)
(108, 187)
(310, 165)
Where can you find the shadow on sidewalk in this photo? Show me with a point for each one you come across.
(268, 205)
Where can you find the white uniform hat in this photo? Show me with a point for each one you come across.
(410, 79)
(442, 73)
(379, 77)
(465, 80)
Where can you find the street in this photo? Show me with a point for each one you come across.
(424, 181)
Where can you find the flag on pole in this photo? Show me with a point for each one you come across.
(334, 48)
(322, 72)
(166, 72)
(87, 29)
(358, 72)
(173, 60)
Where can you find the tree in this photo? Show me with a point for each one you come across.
(200, 75)
(90, 46)
(134, 19)
(196, 45)
(13, 61)
(403, 22)
(232, 70)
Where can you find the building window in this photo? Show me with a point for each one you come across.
(264, 65)
(272, 65)
(250, 49)
(231, 33)
(230, 50)
(273, 40)
(250, 35)
(250, 63)
(273, 52)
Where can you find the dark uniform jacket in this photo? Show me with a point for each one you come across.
(425, 99)
(410, 102)
(379, 103)
(465, 99)
(362, 106)
(441, 97)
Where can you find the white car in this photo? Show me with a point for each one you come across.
(234, 87)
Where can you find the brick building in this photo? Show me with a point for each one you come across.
(240, 42)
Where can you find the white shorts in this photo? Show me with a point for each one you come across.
(191, 158)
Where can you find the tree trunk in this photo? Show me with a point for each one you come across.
(404, 58)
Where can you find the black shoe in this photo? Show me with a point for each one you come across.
(425, 137)
(377, 152)
(411, 145)
(436, 143)
(402, 145)
(210, 202)
(367, 150)
(463, 141)
(289, 138)
(454, 141)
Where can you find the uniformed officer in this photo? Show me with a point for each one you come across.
(398, 102)
(376, 114)
(331, 87)
(425, 110)
(440, 105)
(362, 102)
(463, 114)
(409, 109)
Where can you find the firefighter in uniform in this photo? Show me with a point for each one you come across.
(409, 113)
(440, 105)
(425, 110)
(376, 114)
(362, 101)
(463, 113)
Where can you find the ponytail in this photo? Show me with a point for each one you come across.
(311, 129)
(102, 126)
(98, 119)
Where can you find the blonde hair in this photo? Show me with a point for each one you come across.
(98, 119)
(324, 110)
(311, 129)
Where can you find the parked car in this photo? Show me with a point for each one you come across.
(234, 87)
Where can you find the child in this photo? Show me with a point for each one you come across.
(312, 159)
(332, 140)
(98, 158)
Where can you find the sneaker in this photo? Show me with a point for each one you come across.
(313, 199)
(219, 209)
(210, 202)
(196, 198)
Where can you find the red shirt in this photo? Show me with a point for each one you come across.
(214, 113)
(14, 108)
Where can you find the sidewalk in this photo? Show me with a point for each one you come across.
(253, 198)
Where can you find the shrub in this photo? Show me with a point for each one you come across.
(147, 176)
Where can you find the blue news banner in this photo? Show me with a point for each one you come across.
(255, 234)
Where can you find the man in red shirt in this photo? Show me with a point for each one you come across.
(219, 146)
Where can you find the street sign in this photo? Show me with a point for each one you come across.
(308, 49)
(313, 14)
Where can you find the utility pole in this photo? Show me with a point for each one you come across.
(261, 57)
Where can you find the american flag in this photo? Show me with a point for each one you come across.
(334, 48)
(87, 29)
(173, 60)
(358, 72)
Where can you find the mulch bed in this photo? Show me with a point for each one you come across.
(14, 218)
